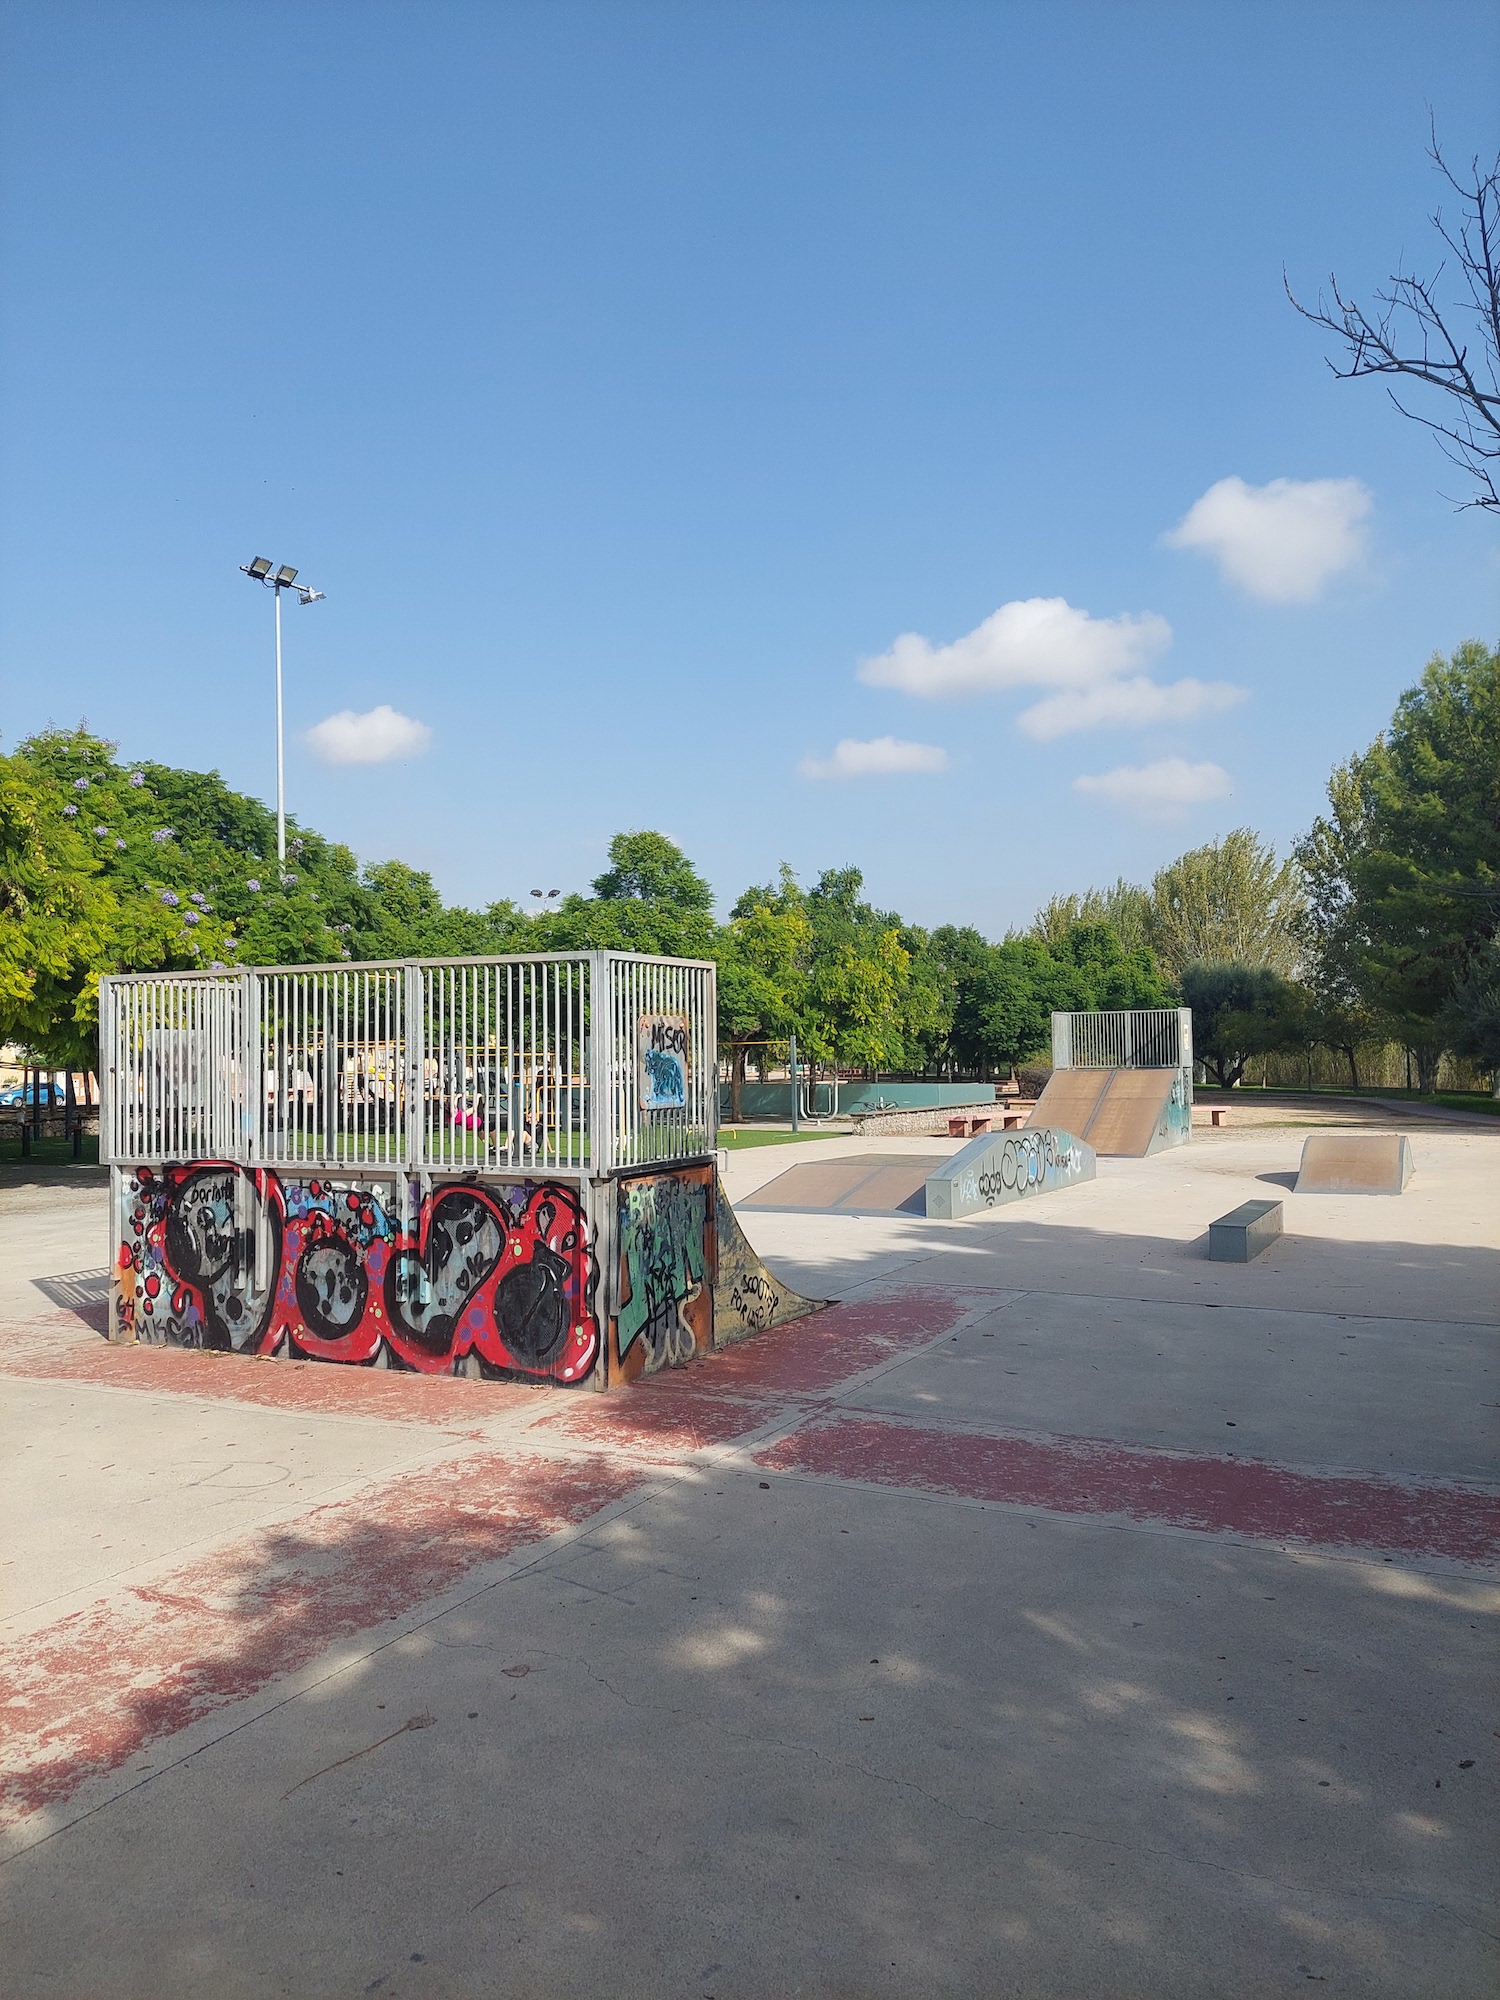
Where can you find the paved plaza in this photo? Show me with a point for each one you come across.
(1058, 1613)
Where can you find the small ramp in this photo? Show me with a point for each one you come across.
(1355, 1163)
(868, 1184)
(1007, 1166)
(1123, 1113)
(747, 1299)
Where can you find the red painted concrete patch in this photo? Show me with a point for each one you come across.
(1090, 1476)
(85, 1694)
(843, 1341)
(662, 1421)
(389, 1394)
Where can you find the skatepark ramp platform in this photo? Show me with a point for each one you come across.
(500, 1168)
(1355, 1163)
(864, 1184)
(993, 1169)
(1123, 1113)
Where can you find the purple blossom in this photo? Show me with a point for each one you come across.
(70, 812)
(288, 881)
(191, 917)
(231, 944)
(137, 777)
(163, 833)
(254, 884)
(170, 898)
(217, 965)
(199, 898)
(102, 832)
(119, 844)
(80, 784)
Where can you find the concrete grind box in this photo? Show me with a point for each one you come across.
(497, 1168)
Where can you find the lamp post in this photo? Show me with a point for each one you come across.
(262, 570)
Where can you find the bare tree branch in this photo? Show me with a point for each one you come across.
(1412, 335)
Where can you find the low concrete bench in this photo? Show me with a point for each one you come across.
(1243, 1233)
(1217, 1114)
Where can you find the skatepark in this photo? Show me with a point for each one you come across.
(1057, 1610)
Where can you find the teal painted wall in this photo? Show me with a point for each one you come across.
(774, 1100)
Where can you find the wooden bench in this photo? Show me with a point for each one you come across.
(1243, 1233)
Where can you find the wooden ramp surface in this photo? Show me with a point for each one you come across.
(1116, 1110)
(1355, 1163)
(878, 1183)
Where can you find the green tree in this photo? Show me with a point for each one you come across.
(1230, 901)
(650, 899)
(1403, 871)
(1471, 1018)
(876, 997)
(763, 954)
(1125, 907)
(57, 921)
(1240, 1011)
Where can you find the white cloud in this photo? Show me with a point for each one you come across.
(1030, 642)
(1127, 705)
(885, 757)
(1162, 790)
(1283, 541)
(377, 737)
(1093, 664)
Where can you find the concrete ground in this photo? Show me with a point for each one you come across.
(1057, 1614)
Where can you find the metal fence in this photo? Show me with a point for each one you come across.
(574, 1063)
(1131, 1038)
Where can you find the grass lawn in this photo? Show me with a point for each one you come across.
(45, 1152)
(737, 1137)
(1451, 1100)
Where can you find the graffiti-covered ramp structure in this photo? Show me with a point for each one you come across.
(493, 1167)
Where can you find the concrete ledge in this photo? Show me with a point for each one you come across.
(1243, 1233)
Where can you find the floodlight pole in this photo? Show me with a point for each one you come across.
(278, 580)
(280, 762)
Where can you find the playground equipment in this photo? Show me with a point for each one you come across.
(1122, 1081)
(500, 1166)
(1355, 1163)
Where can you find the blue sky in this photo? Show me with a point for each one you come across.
(632, 378)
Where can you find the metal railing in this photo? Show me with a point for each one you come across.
(466, 1066)
(1130, 1038)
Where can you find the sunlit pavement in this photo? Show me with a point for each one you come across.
(1057, 1614)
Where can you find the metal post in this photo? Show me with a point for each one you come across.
(792, 1065)
(280, 776)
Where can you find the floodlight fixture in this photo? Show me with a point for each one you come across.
(286, 574)
(260, 569)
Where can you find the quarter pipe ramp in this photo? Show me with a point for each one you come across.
(1123, 1113)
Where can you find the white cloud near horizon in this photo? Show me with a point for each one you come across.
(1092, 664)
(1163, 790)
(884, 757)
(379, 736)
(1283, 541)
(1127, 704)
(1030, 642)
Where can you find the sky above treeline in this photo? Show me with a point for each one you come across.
(866, 434)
